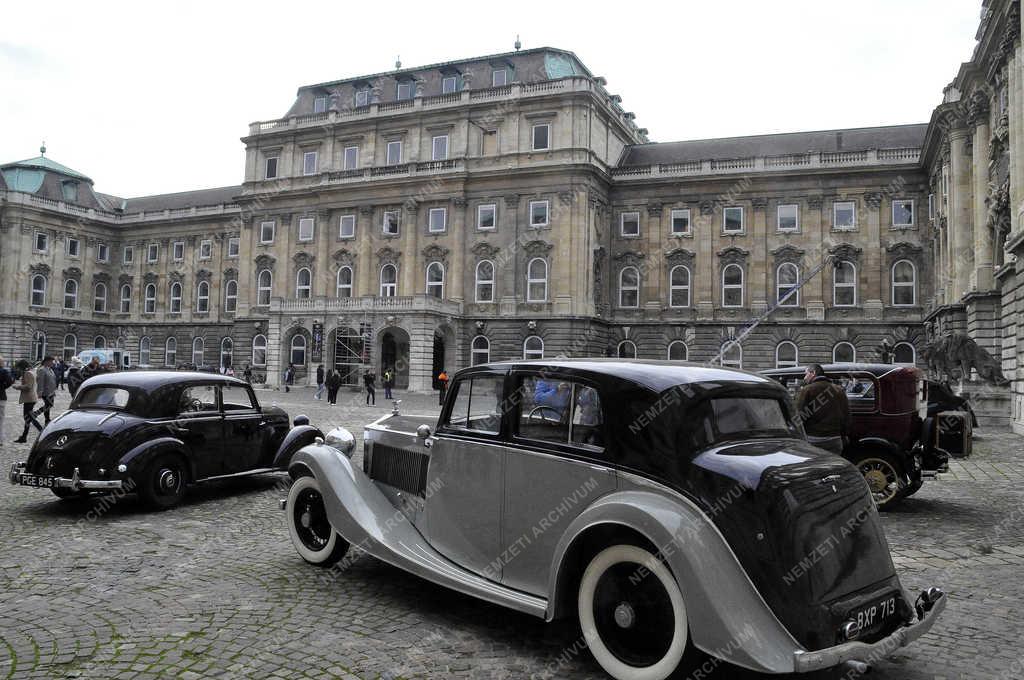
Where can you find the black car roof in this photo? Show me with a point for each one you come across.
(149, 380)
(654, 375)
(877, 370)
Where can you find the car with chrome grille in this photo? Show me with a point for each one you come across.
(675, 510)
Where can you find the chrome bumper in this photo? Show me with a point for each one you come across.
(18, 476)
(806, 662)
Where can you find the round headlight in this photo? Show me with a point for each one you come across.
(341, 439)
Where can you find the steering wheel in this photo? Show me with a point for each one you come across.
(194, 405)
(539, 412)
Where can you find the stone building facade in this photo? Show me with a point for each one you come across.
(509, 206)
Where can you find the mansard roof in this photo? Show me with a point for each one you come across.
(181, 199)
(851, 139)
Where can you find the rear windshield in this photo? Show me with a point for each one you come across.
(102, 396)
(729, 418)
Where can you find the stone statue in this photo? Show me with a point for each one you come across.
(953, 355)
(885, 351)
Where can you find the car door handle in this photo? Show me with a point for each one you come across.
(180, 430)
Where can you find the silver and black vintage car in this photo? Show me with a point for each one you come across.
(155, 432)
(674, 509)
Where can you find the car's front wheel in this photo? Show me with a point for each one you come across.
(163, 482)
(311, 532)
(632, 614)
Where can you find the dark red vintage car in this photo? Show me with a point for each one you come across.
(897, 438)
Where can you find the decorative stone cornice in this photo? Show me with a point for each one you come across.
(679, 256)
(101, 277)
(733, 255)
(845, 251)
(537, 247)
(175, 275)
(788, 253)
(73, 273)
(39, 268)
(150, 277)
(344, 257)
(125, 279)
(387, 255)
(903, 250)
(485, 250)
(629, 257)
(230, 273)
(303, 259)
(204, 275)
(435, 252)
(264, 262)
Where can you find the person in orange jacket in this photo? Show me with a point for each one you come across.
(442, 378)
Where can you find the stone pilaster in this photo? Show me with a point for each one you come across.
(981, 277)
(961, 255)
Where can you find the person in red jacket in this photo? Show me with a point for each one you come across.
(442, 379)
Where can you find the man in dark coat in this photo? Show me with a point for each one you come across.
(823, 409)
(370, 380)
(74, 376)
(319, 382)
(333, 382)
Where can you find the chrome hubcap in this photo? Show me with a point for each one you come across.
(168, 480)
(625, 617)
(306, 520)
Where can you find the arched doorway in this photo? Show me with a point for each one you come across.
(394, 354)
(443, 355)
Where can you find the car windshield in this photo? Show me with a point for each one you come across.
(102, 396)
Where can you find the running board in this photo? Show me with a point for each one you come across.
(233, 475)
(367, 520)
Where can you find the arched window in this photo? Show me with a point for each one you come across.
(230, 295)
(171, 352)
(731, 354)
(344, 287)
(227, 348)
(480, 350)
(297, 355)
(678, 351)
(485, 281)
(203, 297)
(679, 286)
(537, 280)
(38, 346)
(844, 284)
(175, 307)
(38, 295)
(388, 280)
(626, 350)
(198, 352)
(99, 298)
(787, 278)
(71, 294)
(264, 286)
(70, 346)
(904, 353)
(145, 351)
(149, 299)
(99, 342)
(732, 286)
(126, 299)
(843, 353)
(259, 350)
(786, 355)
(904, 284)
(533, 347)
(629, 287)
(435, 280)
(303, 284)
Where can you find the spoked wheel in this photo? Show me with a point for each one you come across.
(311, 532)
(163, 483)
(884, 477)
(632, 614)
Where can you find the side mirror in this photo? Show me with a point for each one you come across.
(423, 431)
(341, 439)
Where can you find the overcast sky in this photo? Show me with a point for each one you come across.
(146, 100)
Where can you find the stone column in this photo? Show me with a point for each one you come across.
(812, 292)
(366, 263)
(455, 284)
(706, 271)
(981, 277)
(413, 279)
(961, 254)
(324, 272)
(873, 262)
(759, 284)
(655, 275)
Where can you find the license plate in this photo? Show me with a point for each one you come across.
(874, 615)
(35, 480)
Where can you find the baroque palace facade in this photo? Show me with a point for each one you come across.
(509, 206)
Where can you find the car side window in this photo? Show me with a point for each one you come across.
(236, 398)
(860, 392)
(477, 404)
(198, 399)
(559, 411)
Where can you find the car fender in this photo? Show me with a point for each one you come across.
(297, 437)
(139, 457)
(728, 618)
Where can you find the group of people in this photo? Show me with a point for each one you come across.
(331, 380)
(41, 384)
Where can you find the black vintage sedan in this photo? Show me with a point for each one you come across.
(156, 432)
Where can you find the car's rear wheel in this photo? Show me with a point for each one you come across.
(885, 477)
(311, 532)
(632, 614)
(163, 483)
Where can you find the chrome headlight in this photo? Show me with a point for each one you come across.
(341, 439)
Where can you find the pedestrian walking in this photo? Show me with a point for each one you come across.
(289, 377)
(247, 373)
(74, 376)
(27, 399)
(389, 382)
(442, 381)
(333, 382)
(370, 380)
(6, 380)
(319, 382)
(823, 410)
(46, 388)
(60, 371)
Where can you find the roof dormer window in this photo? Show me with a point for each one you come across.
(499, 77)
(404, 90)
(449, 84)
(362, 98)
(69, 190)
(320, 104)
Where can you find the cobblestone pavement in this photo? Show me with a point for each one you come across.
(91, 589)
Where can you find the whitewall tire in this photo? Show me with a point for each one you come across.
(311, 532)
(632, 614)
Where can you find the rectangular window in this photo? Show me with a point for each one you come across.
(271, 168)
(844, 215)
(390, 225)
(578, 409)
(404, 91)
(152, 252)
(449, 84)
(233, 246)
(40, 242)
(538, 213)
(541, 137)
(309, 163)
(394, 153)
(477, 405)
(362, 98)
(128, 255)
(73, 245)
(499, 77)
(306, 229)
(486, 216)
(733, 220)
(347, 226)
(178, 250)
(489, 143)
(629, 224)
(931, 206)
(205, 250)
(319, 104)
(788, 218)
(102, 252)
(351, 159)
(680, 222)
(267, 232)
(438, 219)
(903, 212)
(440, 148)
